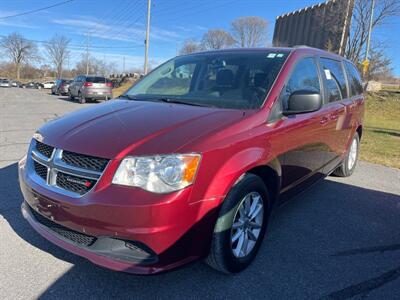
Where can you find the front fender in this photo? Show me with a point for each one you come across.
(235, 167)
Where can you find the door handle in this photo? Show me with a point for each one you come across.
(323, 120)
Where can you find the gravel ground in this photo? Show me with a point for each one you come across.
(340, 239)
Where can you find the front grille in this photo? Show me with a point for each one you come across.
(44, 149)
(40, 170)
(74, 184)
(74, 236)
(74, 173)
(84, 161)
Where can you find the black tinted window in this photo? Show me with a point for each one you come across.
(303, 78)
(96, 79)
(354, 80)
(334, 78)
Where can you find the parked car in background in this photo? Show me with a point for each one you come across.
(15, 83)
(48, 84)
(5, 83)
(90, 87)
(191, 160)
(61, 87)
(32, 85)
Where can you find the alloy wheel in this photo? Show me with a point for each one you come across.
(247, 224)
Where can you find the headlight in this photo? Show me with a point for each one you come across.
(158, 174)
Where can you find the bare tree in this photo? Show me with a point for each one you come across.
(249, 31)
(190, 46)
(57, 49)
(217, 39)
(358, 35)
(96, 66)
(379, 66)
(19, 50)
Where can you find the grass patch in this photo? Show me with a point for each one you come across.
(118, 91)
(381, 135)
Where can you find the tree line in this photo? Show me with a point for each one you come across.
(245, 32)
(24, 56)
(252, 32)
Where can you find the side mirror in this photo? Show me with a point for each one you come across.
(303, 101)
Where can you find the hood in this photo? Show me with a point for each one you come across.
(122, 127)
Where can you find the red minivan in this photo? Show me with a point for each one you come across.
(192, 159)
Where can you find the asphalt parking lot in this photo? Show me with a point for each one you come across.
(340, 239)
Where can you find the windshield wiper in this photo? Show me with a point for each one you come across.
(177, 101)
(127, 97)
(161, 99)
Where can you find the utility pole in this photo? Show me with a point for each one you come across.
(87, 55)
(365, 63)
(146, 51)
(346, 26)
(123, 65)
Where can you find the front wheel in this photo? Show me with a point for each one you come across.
(349, 163)
(241, 225)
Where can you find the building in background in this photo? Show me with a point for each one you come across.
(325, 26)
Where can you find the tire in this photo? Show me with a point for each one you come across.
(70, 96)
(349, 163)
(81, 98)
(224, 255)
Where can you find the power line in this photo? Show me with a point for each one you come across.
(36, 10)
(119, 21)
(115, 16)
(121, 32)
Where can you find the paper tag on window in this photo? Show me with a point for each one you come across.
(328, 74)
(271, 55)
(279, 55)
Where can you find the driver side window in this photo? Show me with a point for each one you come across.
(303, 78)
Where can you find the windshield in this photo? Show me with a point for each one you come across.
(226, 80)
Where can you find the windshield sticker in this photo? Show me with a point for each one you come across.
(271, 55)
(328, 74)
(279, 55)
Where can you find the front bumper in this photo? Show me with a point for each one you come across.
(166, 231)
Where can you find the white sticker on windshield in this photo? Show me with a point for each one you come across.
(279, 55)
(271, 55)
(328, 74)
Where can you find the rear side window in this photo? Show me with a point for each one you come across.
(304, 77)
(96, 79)
(334, 78)
(354, 80)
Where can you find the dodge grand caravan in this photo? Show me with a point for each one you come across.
(191, 160)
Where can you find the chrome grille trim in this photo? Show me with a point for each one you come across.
(54, 165)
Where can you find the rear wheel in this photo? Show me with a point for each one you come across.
(349, 163)
(70, 96)
(241, 225)
(81, 98)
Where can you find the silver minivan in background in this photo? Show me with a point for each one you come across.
(90, 87)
